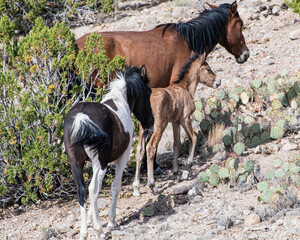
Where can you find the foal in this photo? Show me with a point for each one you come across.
(103, 132)
(174, 104)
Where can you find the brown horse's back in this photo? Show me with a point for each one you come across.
(162, 56)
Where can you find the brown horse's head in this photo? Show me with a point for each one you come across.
(233, 39)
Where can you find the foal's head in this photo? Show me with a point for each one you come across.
(138, 95)
(200, 68)
(233, 39)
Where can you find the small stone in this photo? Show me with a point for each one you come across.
(276, 10)
(290, 146)
(185, 175)
(257, 150)
(252, 219)
(295, 34)
(102, 203)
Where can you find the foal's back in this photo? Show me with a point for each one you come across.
(171, 103)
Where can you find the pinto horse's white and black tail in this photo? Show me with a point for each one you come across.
(86, 133)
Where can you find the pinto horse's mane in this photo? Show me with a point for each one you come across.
(203, 32)
(129, 82)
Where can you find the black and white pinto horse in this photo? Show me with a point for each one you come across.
(103, 133)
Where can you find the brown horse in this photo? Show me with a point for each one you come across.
(174, 104)
(166, 48)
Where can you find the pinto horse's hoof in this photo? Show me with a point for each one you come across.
(136, 192)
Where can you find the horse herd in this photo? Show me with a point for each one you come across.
(172, 57)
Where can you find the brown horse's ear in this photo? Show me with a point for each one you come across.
(143, 71)
(234, 8)
(211, 5)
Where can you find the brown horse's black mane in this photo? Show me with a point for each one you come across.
(184, 70)
(205, 31)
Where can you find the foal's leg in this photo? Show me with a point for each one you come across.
(94, 187)
(140, 151)
(151, 149)
(177, 145)
(187, 125)
(116, 186)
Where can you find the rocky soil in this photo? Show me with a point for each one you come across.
(189, 210)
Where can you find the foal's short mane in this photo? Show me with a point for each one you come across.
(205, 31)
(184, 70)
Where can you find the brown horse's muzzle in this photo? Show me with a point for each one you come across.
(244, 56)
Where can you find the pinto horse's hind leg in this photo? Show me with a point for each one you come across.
(187, 125)
(116, 186)
(94, 188)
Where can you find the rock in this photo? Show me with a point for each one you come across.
(257, 150)
(182, 187)
(185, 174)
(276, 10)
(295, 34)
(290, 146)
(252, 219)
(102, 203)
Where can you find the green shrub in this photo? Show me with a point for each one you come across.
(24, 12)
(35, 96)
(295, 4)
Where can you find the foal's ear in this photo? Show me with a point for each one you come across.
(211, 5)
(143, 71)
(233, 8)
(202, 58)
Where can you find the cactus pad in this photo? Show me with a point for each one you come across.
(232, 163)
(202, 176)
(249, 166)
(262, 186)
(199, 105)
(264, 137)
(256, 83)
(279, 173)
(198, 115)
(270, 174)
(239, 148)
(277, 162)
(214, 180)
(223, 173)
(276, 132)
(255, 141)
(227, 140)
(214, 168)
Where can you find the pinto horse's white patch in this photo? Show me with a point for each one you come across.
(118, 95)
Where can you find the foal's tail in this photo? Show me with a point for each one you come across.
(86, 133)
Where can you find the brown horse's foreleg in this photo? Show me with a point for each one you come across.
(177, 146)
(187, 125)
(140, 151)
(151, 148)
